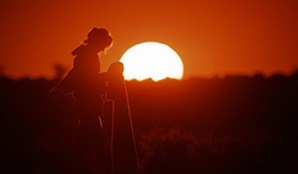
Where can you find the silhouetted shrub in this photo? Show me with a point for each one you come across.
(167, 151)
(226, 125)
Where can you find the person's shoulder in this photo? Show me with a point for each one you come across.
(78, 50)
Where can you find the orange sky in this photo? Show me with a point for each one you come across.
(213, 37)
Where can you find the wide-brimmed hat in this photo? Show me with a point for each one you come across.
(99, 35)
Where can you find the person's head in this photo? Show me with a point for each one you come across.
(116, 68)
(99, 38)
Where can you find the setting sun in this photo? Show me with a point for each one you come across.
(151, 60)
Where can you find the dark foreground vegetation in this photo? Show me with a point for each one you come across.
(234, 124)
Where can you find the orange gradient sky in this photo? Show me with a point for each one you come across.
(213, 37)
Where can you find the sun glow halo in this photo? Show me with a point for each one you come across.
(151, 60)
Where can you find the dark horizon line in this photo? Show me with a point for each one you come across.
(228, 75)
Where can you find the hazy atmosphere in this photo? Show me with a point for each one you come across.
(212, 37)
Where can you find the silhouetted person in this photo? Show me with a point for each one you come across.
(87, 86)
(125, 158)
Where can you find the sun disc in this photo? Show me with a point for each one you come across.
(151, 60)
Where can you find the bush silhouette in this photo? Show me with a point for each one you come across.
(219, 125)
(167, 151)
